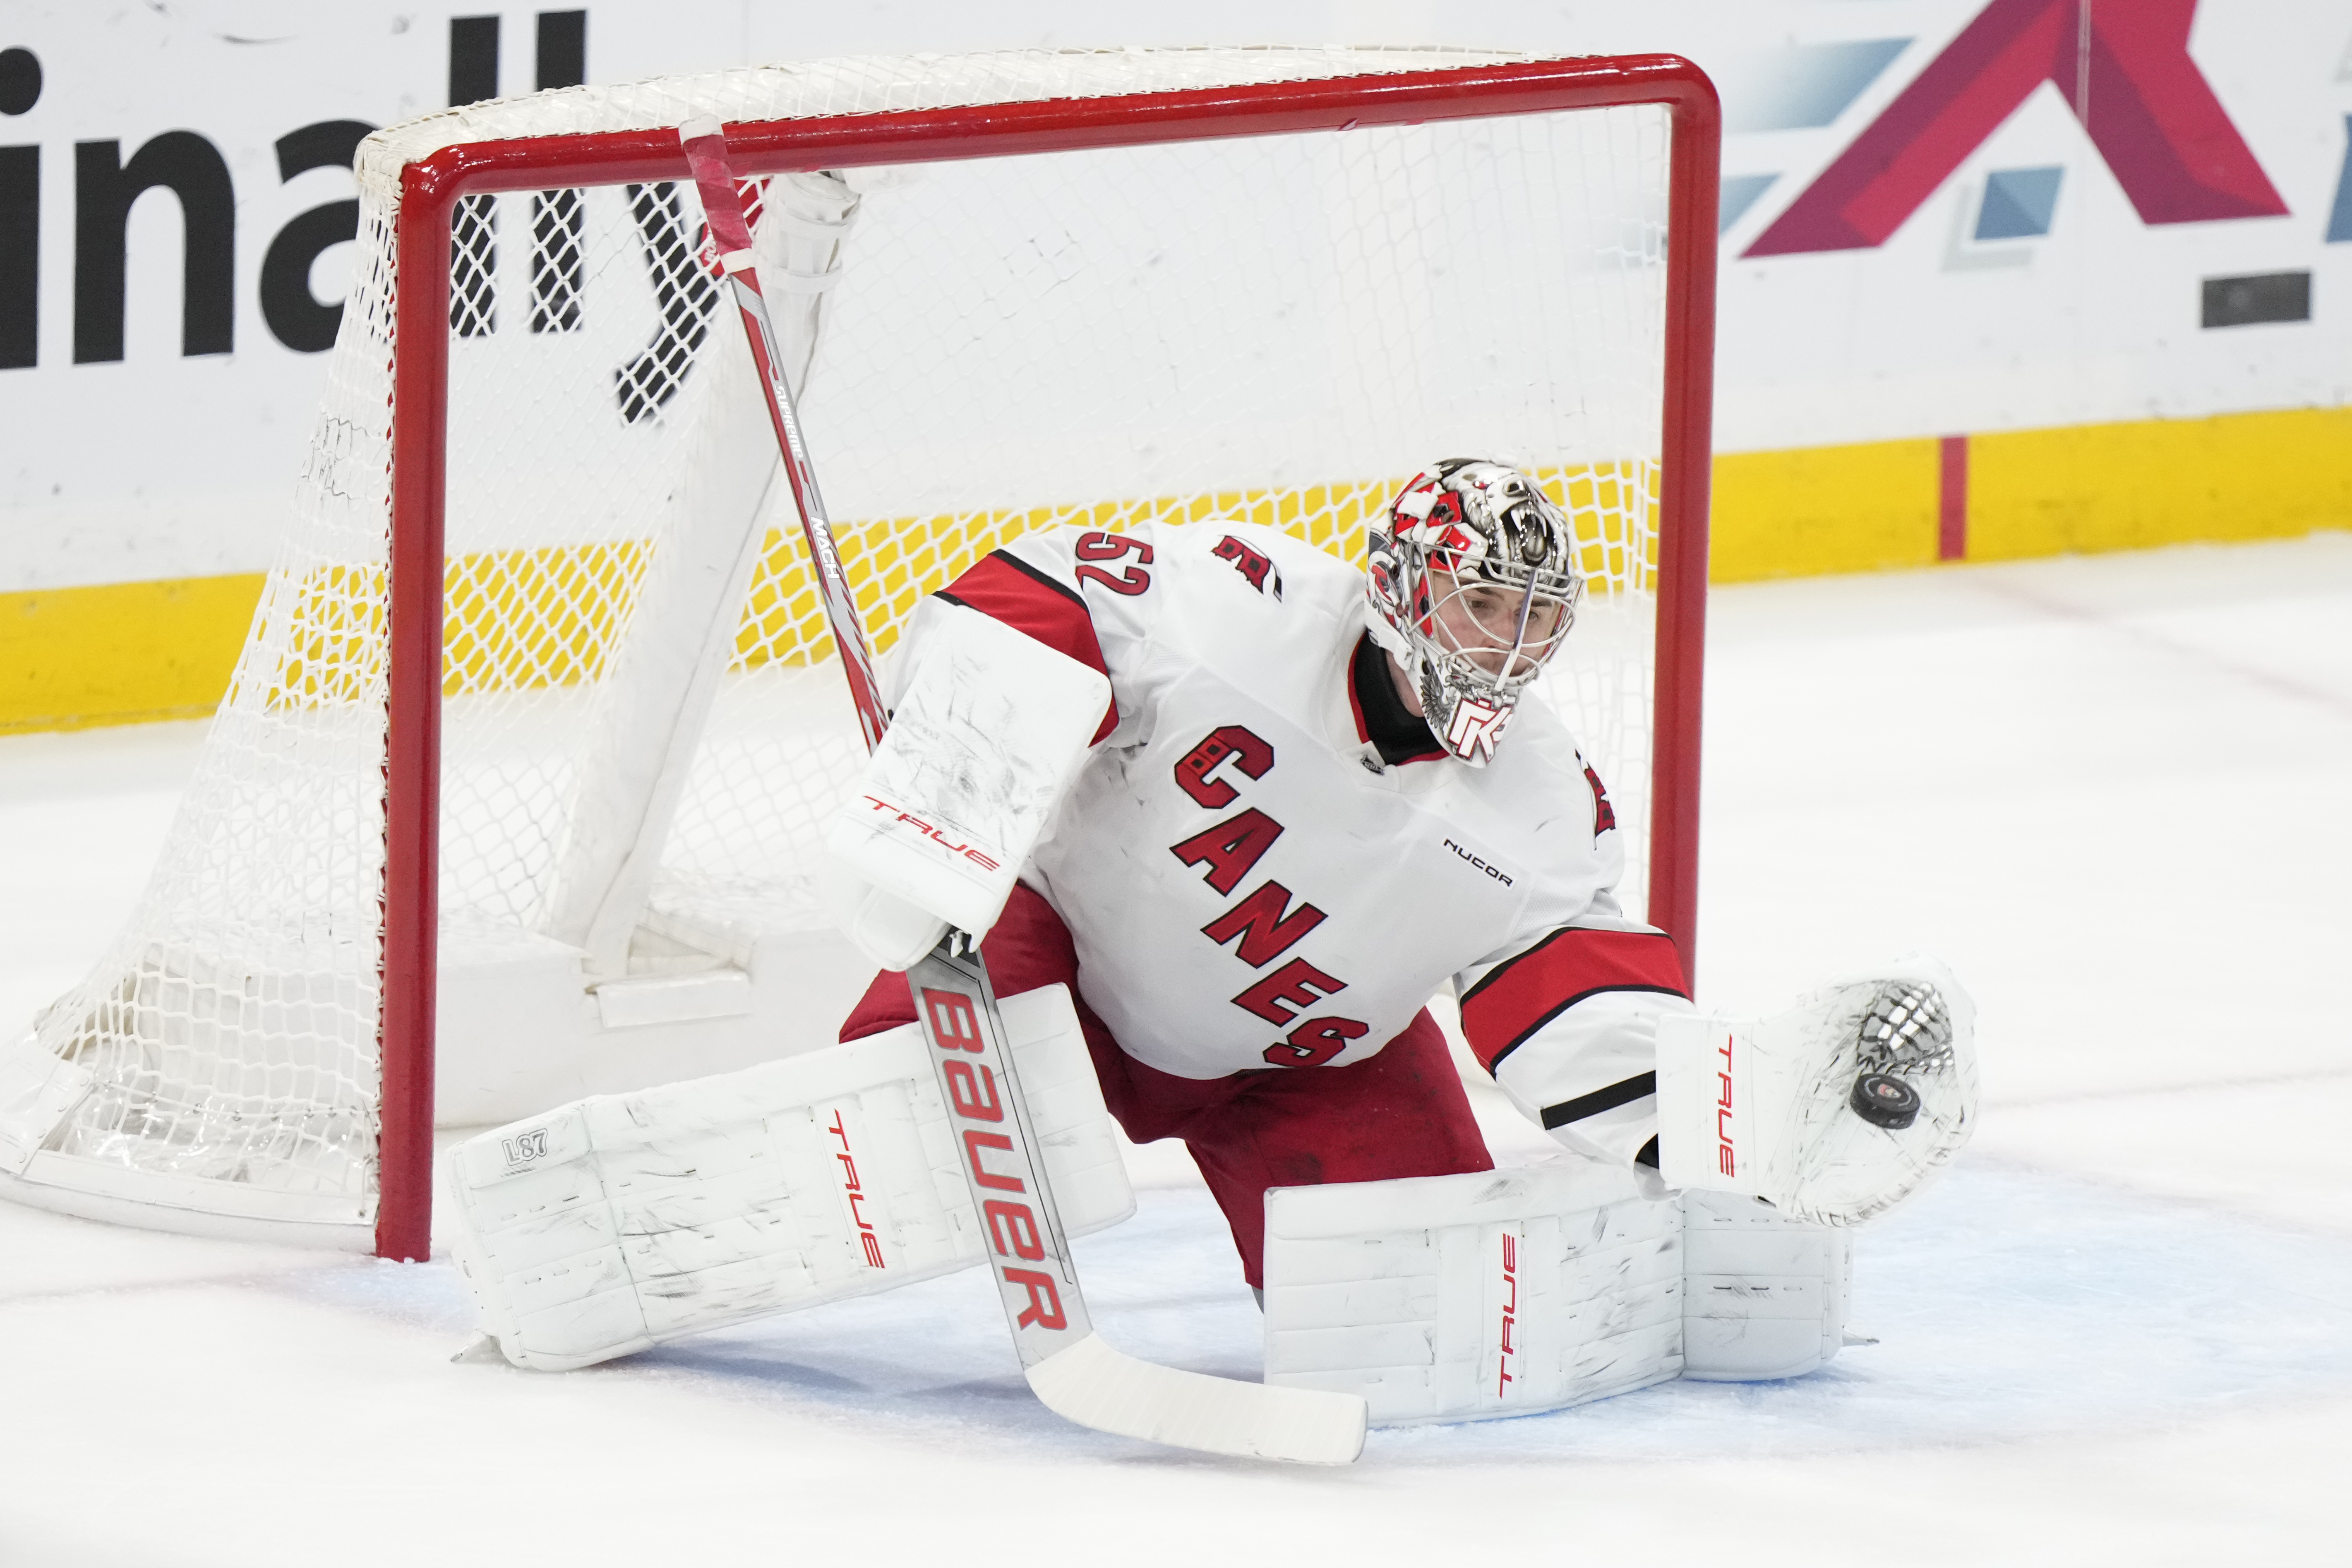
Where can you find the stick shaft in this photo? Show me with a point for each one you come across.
(1022, 1226)
(1029, 1252)
(707, 155)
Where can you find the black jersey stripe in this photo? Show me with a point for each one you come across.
(1623, 1093)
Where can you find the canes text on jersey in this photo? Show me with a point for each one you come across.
(1263, 925)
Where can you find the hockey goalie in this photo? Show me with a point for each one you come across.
(1228, 814)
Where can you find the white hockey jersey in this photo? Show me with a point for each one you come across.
(1249, 886)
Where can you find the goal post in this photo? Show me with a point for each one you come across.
(1256, 284)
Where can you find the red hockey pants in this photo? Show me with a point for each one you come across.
(1399, 1113)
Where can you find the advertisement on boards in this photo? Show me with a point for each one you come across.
(1999, 276)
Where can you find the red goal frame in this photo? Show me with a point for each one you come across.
(432, 186)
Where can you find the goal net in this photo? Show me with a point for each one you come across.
(1040, 288)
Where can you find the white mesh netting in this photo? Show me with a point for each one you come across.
(1278, 328)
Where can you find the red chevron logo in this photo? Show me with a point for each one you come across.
(2124, 69)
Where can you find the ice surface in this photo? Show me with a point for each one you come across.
(2112, 791)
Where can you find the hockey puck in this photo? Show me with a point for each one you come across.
(1885, 1100)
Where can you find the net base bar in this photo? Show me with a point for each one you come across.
(88, 1189)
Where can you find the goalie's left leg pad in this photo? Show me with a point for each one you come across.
(1463, 1297)
(1764, 1296)
(1466, 1297)
(620, 1221)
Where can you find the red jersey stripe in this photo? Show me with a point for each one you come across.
(1016, 593)
(1522, 994)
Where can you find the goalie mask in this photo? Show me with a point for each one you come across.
(1472, 585)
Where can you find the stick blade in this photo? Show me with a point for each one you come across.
(1098, 1388)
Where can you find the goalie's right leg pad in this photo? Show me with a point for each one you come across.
(620, 1221)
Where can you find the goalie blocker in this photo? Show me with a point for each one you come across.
(989, 730)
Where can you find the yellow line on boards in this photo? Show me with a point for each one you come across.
(2080, 489)
(2092, 488)
(123, 653)
(1822, 509)
(132, 652)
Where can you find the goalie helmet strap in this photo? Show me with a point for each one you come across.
(1399, 734)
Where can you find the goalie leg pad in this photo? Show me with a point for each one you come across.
(1463, 1297)
(1764, 1296)
(1509, 1293)
(620, 1221)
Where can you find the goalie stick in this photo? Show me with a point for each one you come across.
(1071, 1369)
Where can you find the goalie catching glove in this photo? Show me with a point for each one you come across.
(1833, 1111)
(989, 732)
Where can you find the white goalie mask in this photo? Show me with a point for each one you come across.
(1472, 585)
